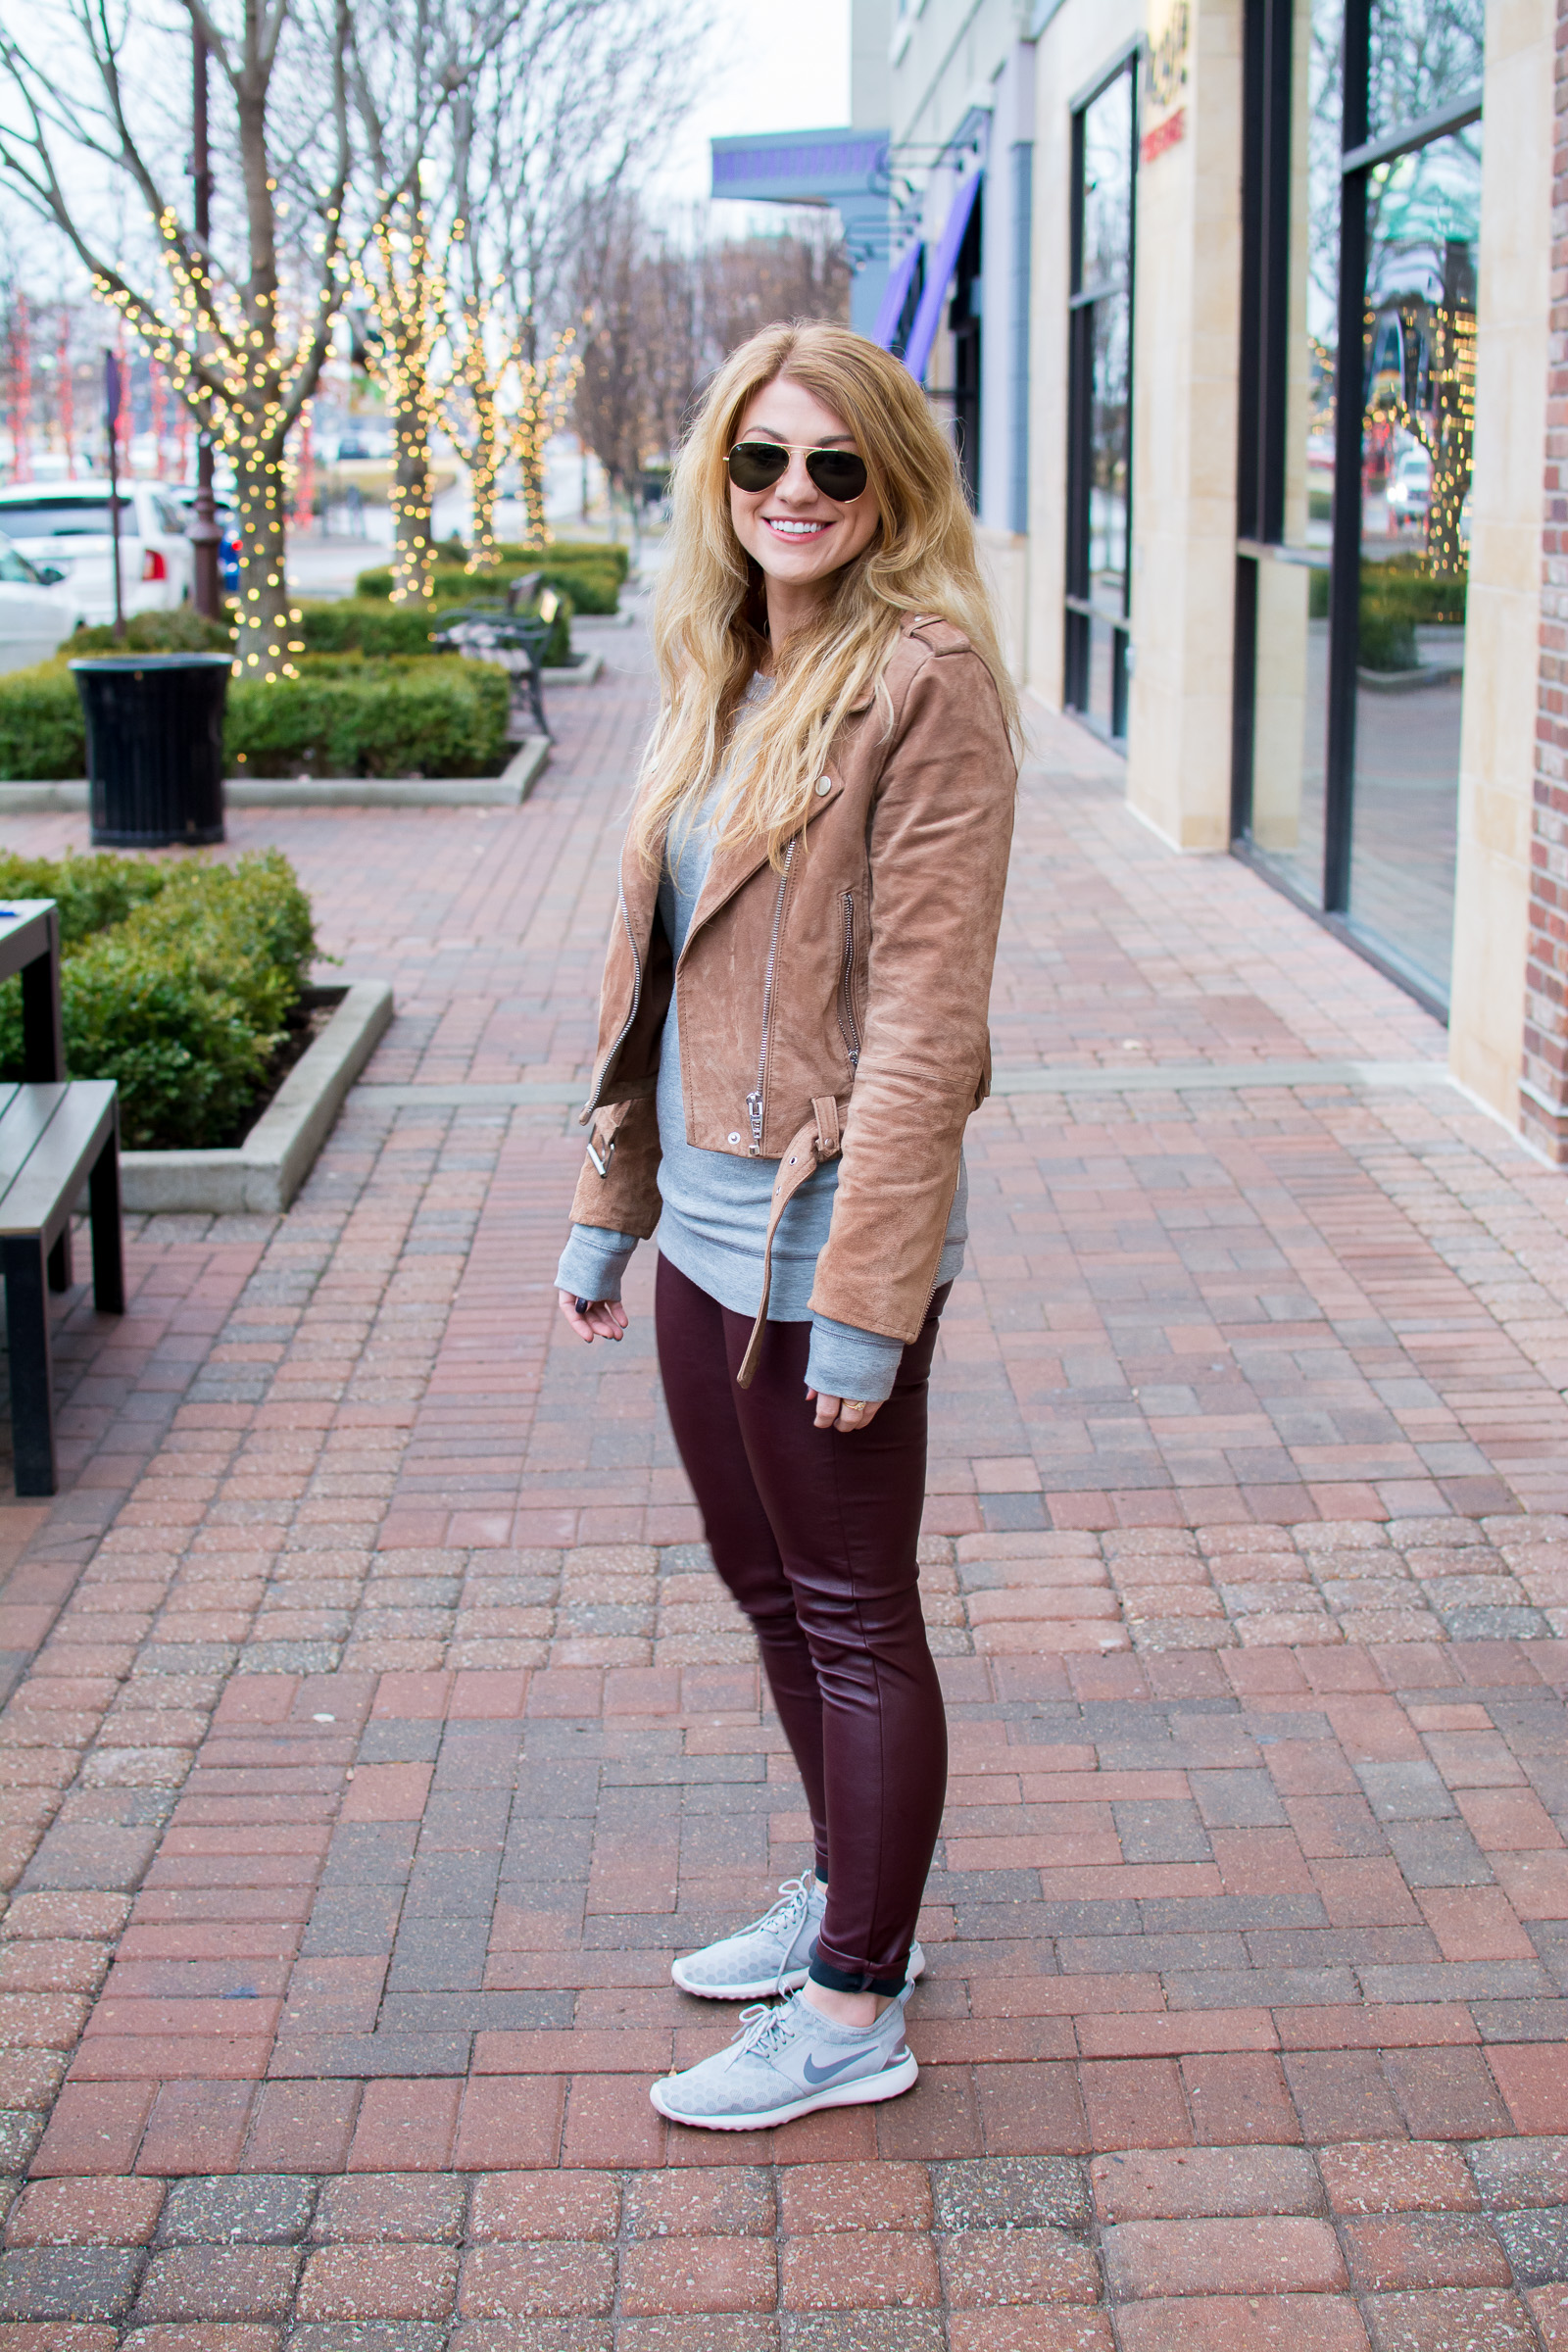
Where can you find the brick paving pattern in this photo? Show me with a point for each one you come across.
(376, 1730)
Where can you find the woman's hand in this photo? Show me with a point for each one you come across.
(594, 1318)
(843, 1412)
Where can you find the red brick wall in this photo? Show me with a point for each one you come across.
(1543, 1090)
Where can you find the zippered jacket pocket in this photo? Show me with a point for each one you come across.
(848, 1026)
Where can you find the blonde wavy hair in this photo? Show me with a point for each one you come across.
(710, 629)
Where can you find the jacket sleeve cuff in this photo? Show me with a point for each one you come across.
(846, 1362)
(592, 1262)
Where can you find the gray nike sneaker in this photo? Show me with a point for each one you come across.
(786, 2060)
(770, 1956)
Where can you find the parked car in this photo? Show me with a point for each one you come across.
(1410, 486)
(37, 610)
(67, 525)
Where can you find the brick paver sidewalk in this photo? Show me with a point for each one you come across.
(377, 1731)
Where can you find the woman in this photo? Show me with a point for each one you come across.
(792, 1037)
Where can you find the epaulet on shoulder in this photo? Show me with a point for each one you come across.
(936, 635)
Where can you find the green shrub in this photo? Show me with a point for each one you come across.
(90, 893)
(344, 715)
(42, 734)
(183, 631)
(364, 624)
(1397, 599)
(592, 581)
(185, 1001)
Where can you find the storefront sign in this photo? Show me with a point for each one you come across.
(1165, 95)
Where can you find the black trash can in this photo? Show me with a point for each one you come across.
(154, 747)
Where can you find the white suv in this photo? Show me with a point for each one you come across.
(67, 524)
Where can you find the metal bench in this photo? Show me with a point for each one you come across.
(55, 1135)
(52, 1138)
(490, 632)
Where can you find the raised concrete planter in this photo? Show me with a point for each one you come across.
(584, 674)
(508, 790)
(264, 1173)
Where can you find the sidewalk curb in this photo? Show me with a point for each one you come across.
(508, 790)
(262, 1175)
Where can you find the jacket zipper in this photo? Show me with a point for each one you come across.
(753, 1100)
(847, 1024)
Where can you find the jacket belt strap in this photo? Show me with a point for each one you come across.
(809, 1149)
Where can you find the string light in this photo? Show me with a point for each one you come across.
(408, 288)
(230, 364)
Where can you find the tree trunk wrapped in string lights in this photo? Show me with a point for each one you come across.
(408, 288)
(472, 406)
(243, 371)
(545, 390)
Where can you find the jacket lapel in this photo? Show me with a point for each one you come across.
(732, 868)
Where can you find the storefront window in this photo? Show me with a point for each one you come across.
(1423, 216)
(1100, 426)
(1424, 54)
(1362, 168)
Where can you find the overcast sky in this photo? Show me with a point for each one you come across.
(775, 68)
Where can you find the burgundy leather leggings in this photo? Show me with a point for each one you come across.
(814, 1534)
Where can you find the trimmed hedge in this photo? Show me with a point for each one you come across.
(90, 893)
(184, 999)
(364, 624)
(1397, 599)
(183, 631)
(360, 625)
(346, 716)
(42, 732)
(343, 716)
(592, 577)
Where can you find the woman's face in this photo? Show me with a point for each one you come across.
(797, 534)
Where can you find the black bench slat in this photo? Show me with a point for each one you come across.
(23, 1124)
(41, 1193)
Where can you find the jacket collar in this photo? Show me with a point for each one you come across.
(733, 867)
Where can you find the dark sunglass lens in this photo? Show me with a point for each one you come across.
(837, 473)
(758, 465)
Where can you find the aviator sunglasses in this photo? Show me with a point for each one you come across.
(837, 473)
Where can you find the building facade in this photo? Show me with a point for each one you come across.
(1242, 315)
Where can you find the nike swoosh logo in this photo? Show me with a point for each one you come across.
(826, 2074)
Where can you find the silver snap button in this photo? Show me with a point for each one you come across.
(734, 1136)
(824, 785)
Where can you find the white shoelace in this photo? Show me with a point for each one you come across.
(793, 1898)
(761, 2030)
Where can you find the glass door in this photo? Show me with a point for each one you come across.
(1100, 405)
(1363, 177)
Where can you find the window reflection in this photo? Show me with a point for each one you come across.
(1425, 54)
(1419, 412)
(1291, 685)
(1099, 478)
(1107, 186)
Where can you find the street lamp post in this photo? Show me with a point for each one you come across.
(204, 533)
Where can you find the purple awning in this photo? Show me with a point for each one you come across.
(924, 332)
(895, 295)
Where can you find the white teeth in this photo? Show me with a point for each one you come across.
(796, 530)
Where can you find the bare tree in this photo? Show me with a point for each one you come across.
(660, 318)
(413, 66)
(243, 322)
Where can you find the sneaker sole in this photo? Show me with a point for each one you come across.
(891, 2084)
(765, 1988)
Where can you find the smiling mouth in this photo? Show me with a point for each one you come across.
(783, 529)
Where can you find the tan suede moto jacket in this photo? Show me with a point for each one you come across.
(841, 1003)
